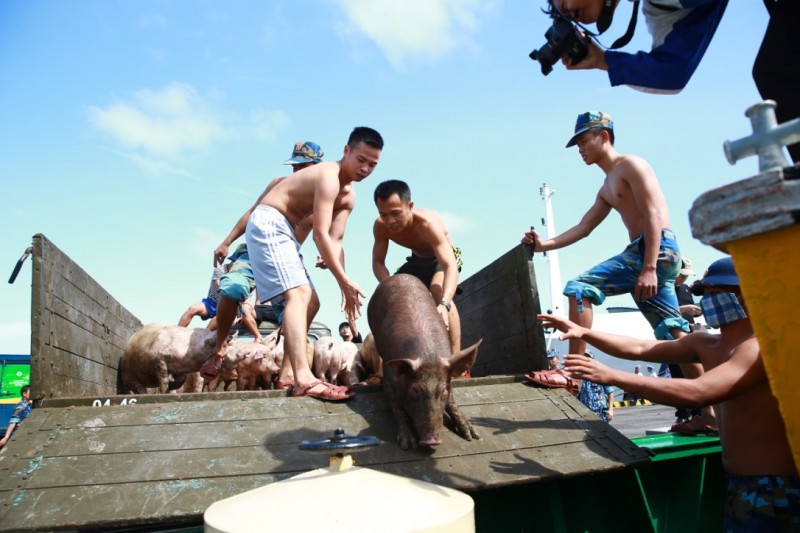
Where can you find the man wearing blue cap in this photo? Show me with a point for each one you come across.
(763, 491)
(648, 266)
(304, 154)
(235, 287)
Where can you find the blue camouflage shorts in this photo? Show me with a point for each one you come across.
(618, 275)
(762, 503)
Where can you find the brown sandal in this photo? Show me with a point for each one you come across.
(696, 426)
(554, 379)
(329, 391)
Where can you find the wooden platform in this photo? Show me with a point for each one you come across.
(163, 461)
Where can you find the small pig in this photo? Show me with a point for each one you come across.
(369, 362)
(348, 373)
(418, 366)
(327, 359)
(254, 360)
(158, 350)
(226, 378)
(187, 383)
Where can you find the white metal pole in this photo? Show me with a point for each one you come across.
(556, 296)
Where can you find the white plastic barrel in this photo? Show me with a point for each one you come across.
(354, 500)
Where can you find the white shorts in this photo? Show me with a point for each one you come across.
(274, 253)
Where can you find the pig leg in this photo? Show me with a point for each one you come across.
(405, 433)
(162, 374)
(461, 425)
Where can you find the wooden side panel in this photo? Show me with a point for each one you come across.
(143, 464)
(78, 330)
(499, 305)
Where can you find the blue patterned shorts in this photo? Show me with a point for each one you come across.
(762, 503)
(618, 275)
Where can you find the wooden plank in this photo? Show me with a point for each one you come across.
(78, 330)
(499, 305)
(186, 455)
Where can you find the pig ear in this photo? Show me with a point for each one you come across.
(462, 361)
(404, 366)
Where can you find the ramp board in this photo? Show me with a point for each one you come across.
(163, 460)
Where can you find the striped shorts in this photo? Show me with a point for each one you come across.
(274, 253)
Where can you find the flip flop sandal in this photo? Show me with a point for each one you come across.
(695, 426)
(554, 379)
(329, 392)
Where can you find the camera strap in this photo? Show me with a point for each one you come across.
(604, 22)
(626, 38)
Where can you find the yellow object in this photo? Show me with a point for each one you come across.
(768, 265)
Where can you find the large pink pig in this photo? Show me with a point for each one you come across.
(412, 340)
(158, 350)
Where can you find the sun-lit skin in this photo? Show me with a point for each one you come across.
(583, 11)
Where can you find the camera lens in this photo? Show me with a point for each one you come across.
(546, 58)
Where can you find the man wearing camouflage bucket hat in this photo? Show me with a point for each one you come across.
(304, 154)
(648, 266)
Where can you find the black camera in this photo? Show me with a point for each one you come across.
(563, 39)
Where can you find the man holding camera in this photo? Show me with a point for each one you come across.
(682, 31)
(647, 268)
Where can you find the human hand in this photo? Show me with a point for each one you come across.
(531, 238)
(321, 263)
(691, 309)
(570, 329)
(595, 57)
(351, 299)
(646, 285)
(220, 254)
(445, 314)
(583, 367)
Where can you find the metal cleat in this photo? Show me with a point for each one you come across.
(767, 140)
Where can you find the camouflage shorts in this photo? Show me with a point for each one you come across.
(762, 503)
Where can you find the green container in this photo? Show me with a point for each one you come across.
(680, 489)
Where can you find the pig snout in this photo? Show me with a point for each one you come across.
(431, 439)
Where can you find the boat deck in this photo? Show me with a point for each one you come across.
(164, 460)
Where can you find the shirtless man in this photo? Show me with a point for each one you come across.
(324, 192)
(433, 256)
(647, 268)
(763, 484)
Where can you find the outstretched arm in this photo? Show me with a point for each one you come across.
(742, 372)
(593, 217)
(329, 227)
(677, 351)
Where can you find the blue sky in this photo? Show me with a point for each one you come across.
(135, 134)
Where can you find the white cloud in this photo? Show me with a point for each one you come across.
(166, 122)
(415, 28)
(157, 128)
